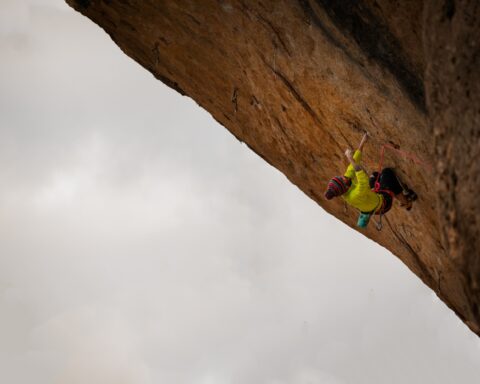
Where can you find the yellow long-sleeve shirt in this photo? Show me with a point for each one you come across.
(359, 195)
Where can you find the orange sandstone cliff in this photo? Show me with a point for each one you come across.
(299, 81)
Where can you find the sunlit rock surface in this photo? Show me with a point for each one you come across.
(299, 81)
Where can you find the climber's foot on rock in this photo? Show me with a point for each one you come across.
(407, 205)
(407, 198)
(410, 194)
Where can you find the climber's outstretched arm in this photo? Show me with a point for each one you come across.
(362, 143)
(355, 158)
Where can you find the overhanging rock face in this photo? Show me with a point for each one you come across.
(299, 81)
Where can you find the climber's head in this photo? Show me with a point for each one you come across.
(337, 186)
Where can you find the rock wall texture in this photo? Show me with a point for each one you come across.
(299, 81)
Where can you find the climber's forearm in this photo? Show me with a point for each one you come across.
(362, 143)
(356, 167)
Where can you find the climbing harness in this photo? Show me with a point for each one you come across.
(378, 224)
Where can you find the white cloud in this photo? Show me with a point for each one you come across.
(95, 346)
(14, 17)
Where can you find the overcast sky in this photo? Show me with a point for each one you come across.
(141, 243)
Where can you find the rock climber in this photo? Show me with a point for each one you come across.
(370, 195)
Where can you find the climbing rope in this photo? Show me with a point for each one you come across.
(405, 154)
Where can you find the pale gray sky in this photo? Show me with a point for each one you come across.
(141, 243)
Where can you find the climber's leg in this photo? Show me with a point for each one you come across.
(389, 180)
